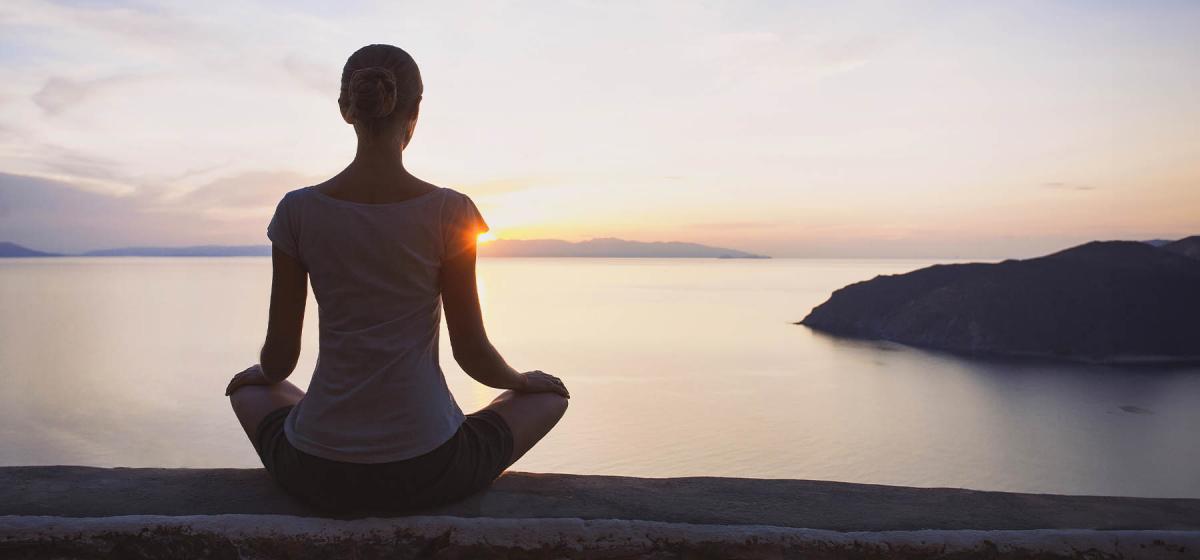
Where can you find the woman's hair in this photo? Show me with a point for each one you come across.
(379, 83)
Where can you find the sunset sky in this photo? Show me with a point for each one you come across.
(973, 129)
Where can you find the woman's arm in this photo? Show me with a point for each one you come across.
(472, 349)
(289, 292)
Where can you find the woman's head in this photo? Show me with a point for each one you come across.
(381, 91)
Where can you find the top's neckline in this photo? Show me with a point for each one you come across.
(418, 198)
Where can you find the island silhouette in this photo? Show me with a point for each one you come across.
(1104, 301)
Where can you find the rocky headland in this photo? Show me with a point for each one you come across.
(1104, 301)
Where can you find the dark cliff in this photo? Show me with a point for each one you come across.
(1188, 247)
(1101, 301)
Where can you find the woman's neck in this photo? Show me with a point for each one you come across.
(379, 158)
(377, 174)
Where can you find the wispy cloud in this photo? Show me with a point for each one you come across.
(506, 185)
(317, 77)
(1062, 186)
(232, 209)
(244, 196)
(740, 225)
(59, 94)
(158, 26)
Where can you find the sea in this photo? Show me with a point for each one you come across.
(677, 367)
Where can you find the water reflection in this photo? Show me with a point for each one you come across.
(676, 368)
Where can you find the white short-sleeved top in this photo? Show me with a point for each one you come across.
(378, 393)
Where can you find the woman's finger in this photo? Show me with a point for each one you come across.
(237, 381)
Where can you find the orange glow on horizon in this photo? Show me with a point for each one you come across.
(485, 237)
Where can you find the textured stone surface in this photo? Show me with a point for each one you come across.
(276, 536)
(96, 492)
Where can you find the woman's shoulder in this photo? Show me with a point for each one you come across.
(456, 202)
(296, 194)
(447, 198)
(451, 193)
(416, 197)
(288, 201)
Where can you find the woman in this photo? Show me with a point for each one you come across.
(385, 252)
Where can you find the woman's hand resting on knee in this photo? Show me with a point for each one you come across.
(538, 381)
(252, 375)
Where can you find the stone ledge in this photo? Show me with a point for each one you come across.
(100, 492)
(279, 536)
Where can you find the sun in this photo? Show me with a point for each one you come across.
(485, 237)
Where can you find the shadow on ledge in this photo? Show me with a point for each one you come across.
(100, 492)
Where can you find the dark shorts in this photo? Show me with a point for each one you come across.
(468, 462)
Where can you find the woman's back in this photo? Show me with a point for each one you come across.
(386, 254)
(378, 393)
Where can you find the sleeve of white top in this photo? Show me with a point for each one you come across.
(462, 224)
(281, 231)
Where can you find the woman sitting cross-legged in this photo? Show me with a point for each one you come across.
(378, 429)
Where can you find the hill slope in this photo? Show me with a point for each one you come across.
(1188, 247)
(189, 251)
(1101, 301)
(607, 247)
(8, 249)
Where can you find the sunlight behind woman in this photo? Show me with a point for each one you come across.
(485, 237)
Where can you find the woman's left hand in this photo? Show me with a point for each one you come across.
(252, 375)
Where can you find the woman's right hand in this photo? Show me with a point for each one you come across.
(541, 382)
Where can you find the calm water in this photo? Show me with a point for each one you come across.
(677, 367)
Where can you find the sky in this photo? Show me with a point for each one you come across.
(832, 129)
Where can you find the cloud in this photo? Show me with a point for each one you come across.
(500, 186)
(74, 162)
(92, 167)
(742, 225)
(59, 94)
(146, 24)
(84, 170)
(319, 78)
(1062, 186)
(233, 198)
(54, 215)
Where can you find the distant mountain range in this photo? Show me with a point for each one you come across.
(606, 247)
(1104, 301)
(13, 250)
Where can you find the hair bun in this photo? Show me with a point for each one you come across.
(372, 93)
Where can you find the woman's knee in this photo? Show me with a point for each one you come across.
(549, 410)
(552, 404)
(558, 404)
(282, 393)
(252, 403)
(551, 400)
(257, 400)
(240, 396)
(530, 411)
